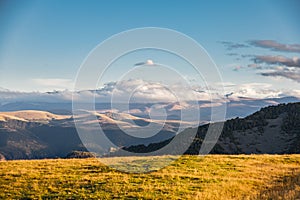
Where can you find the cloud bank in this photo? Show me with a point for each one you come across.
(269, 65)
(276, 46)
(144, 91)
(278, 60)
(279, 66)
(293, 74)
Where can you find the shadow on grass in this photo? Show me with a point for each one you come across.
(287, 188)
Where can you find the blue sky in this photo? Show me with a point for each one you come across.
(43, 43)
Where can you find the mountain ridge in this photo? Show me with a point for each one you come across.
(272, 130)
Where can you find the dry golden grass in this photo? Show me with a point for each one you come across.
(190, 177)
(31, 115)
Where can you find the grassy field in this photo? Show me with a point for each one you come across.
(190, 177)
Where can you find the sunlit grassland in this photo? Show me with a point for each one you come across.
(190, 177)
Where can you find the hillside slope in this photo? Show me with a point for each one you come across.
(38, 134)
(222, 177)
(272, 130)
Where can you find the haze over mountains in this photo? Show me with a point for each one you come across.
(40, 134)
(41, 125)
(240, 100)
(150, 92)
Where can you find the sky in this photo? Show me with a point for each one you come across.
(254, 43)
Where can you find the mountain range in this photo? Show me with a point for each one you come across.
(271, 130)
(32, 134)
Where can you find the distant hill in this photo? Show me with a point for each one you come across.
(40, 134)
(272, 130)
(37, 135)
(31, 134)
(236, 107)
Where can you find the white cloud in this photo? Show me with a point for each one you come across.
(143, 91)
(147, 62)
(13, 96)
(254, 90)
